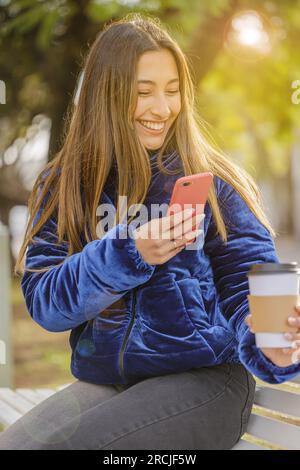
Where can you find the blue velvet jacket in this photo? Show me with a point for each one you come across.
(130, 320)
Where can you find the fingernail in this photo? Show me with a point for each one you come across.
(288, 336)
(292, 320)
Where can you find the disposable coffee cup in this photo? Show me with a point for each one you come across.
(274, 292)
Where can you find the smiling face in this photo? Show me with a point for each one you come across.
(159, 101)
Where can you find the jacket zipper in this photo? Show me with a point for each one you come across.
(125, 341)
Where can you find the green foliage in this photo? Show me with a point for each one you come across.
(215, 8)
(43, 17)
(24, 21)
(46, 29)
(249, 101)
(103, 11)
(246, 98)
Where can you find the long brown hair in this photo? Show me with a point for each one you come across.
(99, 128)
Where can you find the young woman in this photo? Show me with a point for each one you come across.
(160, 349)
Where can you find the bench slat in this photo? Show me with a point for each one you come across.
(44, 393)
(14, 404)
(7, 414)
(30, 395)
(15, 401)
(285, 435)
(278, 400)
(61, 387)
(244, 445)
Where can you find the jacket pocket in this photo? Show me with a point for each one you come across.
(108, 327)
(193, 302)
(219, 338)
(162, 321)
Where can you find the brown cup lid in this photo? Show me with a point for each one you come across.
(274, 268)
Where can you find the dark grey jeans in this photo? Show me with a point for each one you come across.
(205, 408)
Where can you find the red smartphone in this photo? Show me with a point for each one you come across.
(190, 192)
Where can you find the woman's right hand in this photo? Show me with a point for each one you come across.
(155, 239)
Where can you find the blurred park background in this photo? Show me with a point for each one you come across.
(245, 61)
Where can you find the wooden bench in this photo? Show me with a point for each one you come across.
(275, 419)
(274, 422)
(15, 403)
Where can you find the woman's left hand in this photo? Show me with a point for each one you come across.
(284, 357)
